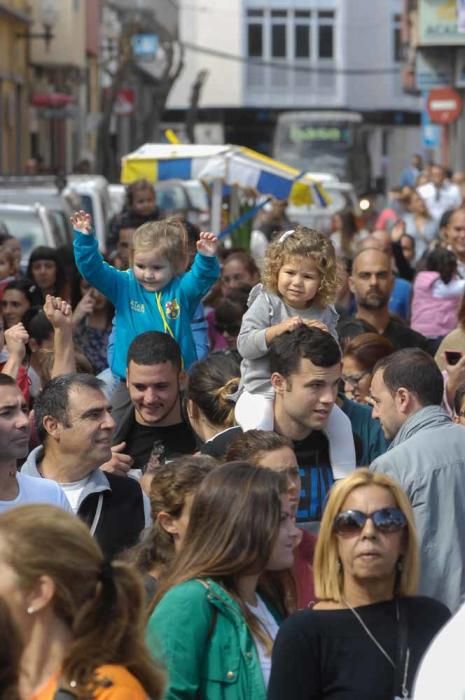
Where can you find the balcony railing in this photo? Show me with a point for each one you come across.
(278, 86)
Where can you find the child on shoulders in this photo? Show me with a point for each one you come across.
(299, 283)
(155, 293)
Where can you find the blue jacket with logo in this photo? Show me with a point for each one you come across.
(136, 308)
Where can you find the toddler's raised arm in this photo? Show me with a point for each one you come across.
(89, 260)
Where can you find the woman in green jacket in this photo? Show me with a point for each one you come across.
(216, 613)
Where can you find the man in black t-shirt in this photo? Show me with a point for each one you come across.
(305, 371)
(154, 419)
(372, 281)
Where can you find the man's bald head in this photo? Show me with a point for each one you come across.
(378, 239)
(372, 279)
(369, 255)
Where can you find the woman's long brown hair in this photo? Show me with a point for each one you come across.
(233, 527)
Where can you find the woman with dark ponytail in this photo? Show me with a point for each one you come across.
(81, 617)
(210, 401)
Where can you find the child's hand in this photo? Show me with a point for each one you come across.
(289, 324)
(58, 312)
(82, 221)
(16, 339)
(208, 244)
(317, 324)
(397, 231)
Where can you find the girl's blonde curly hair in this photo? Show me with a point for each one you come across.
(302, 243)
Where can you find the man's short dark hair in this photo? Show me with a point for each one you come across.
(312, 344)
(153, 348)
(351, 328)
(6, 380)
(53, 400)
(414, 370)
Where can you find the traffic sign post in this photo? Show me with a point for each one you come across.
(444, 106)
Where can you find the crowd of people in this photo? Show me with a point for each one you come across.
(236, 474)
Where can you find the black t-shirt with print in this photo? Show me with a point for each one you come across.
(176, 439)
(316, 474)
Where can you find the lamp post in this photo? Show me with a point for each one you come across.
(47, 17)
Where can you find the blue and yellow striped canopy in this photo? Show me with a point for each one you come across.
(234, 165)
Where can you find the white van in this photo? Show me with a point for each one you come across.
(32, 225)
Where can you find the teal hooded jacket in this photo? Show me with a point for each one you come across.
(200, 633)
(137, 309)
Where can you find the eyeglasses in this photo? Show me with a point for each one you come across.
(355, 379)
(386, 520)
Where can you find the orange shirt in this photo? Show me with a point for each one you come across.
(124, 686)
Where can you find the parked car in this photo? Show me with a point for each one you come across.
(61, 202)
(93, 190)
(32, 225)
(117, 194)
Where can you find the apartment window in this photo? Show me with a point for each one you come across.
(255, 33)
(290, 34)
(302, 32)
(397, 48)
(325, 34)
(278, 33)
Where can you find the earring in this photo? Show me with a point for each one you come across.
(339, 566)
(30, 610)
(400, 565)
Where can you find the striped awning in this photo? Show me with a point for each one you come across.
(234, 165)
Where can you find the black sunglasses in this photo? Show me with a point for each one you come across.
(386, 520)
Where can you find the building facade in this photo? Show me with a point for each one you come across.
(14, 123)
(59, 79)
(264, 57)
(435, 37)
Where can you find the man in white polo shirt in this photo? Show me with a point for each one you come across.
(16, 488)
(440, 195)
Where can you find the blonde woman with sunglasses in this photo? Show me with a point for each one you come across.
(367, 634)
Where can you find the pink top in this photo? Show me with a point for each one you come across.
(432, 315)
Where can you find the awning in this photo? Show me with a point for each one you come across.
(233, 165)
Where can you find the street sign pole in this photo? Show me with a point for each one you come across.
(444, 106)
(445, 145)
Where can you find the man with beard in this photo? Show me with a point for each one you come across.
(153, 424)
(371, 282)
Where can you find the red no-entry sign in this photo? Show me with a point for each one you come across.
(444, 105)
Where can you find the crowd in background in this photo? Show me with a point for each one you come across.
(265, 449)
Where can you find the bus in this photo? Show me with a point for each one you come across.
(333, 142)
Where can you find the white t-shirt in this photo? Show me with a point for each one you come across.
(438, 201)
(271, 626)
(454, 288)
(73, 491)
(34, 490)
(442, 671)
